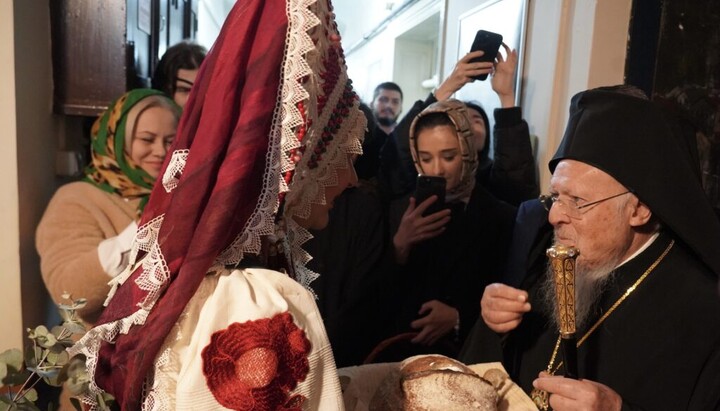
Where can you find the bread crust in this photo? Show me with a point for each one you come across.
(434, 382)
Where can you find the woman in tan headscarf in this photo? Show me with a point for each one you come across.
(446, 257)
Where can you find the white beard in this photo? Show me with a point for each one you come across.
(590, 283)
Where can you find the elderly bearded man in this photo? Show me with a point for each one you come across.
(626, 195)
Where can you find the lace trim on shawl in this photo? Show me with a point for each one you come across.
(162, 381)
(286, 119)
(296, 237)
(174, 170)
(89, 346)
(308, 184)
(145, 240)
(282, 137)
(261, 222)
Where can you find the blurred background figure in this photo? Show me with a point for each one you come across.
(176, 72)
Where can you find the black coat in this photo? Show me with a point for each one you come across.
(456, 266)
(349, 254)
(660, 349)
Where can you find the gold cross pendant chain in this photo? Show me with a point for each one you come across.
(541, 398)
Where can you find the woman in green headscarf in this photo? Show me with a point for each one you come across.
(86, 232)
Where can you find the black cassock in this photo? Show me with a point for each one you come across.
(660, 349)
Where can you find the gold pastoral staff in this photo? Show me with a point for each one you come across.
(562, 261)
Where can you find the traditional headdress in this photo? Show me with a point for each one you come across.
(272, 115)
(456, 111)
(112, 169)
(630, 139)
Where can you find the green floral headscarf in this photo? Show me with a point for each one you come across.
(112, 169)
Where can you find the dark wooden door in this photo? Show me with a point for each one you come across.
(89, 54)
(673, 56)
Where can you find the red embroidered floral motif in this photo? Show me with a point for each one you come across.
(255, 365)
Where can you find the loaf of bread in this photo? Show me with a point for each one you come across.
(434, 382)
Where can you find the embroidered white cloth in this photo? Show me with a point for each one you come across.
(241, 297)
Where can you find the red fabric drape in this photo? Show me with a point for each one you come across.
(225, 125)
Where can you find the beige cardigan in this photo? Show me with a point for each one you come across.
(77, 219)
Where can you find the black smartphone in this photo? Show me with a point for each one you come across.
(488, 42)
(428, 186)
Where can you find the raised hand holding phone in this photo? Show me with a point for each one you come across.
(483, 59)
(464, 72)
(489, 43)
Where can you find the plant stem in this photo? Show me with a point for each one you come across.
(34, 384)
(21, 393)
(18, 395)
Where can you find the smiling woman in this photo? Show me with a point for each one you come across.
(154, 133)
(84, 236)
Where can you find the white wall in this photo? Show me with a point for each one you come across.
(211, 16)
(414, 63)
(356, 18)
(29, 135)
(10, 303)
(36, 141)
(571, 45)
(375, 63)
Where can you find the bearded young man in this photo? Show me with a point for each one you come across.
(387, 105)
(626, 195)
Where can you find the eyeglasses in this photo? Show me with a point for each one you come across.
(571, 208)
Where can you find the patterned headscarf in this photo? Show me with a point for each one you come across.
(456, 111)
(112, 169)
(271, 117)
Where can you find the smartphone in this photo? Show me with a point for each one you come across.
(488, 42)
(428, 186)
